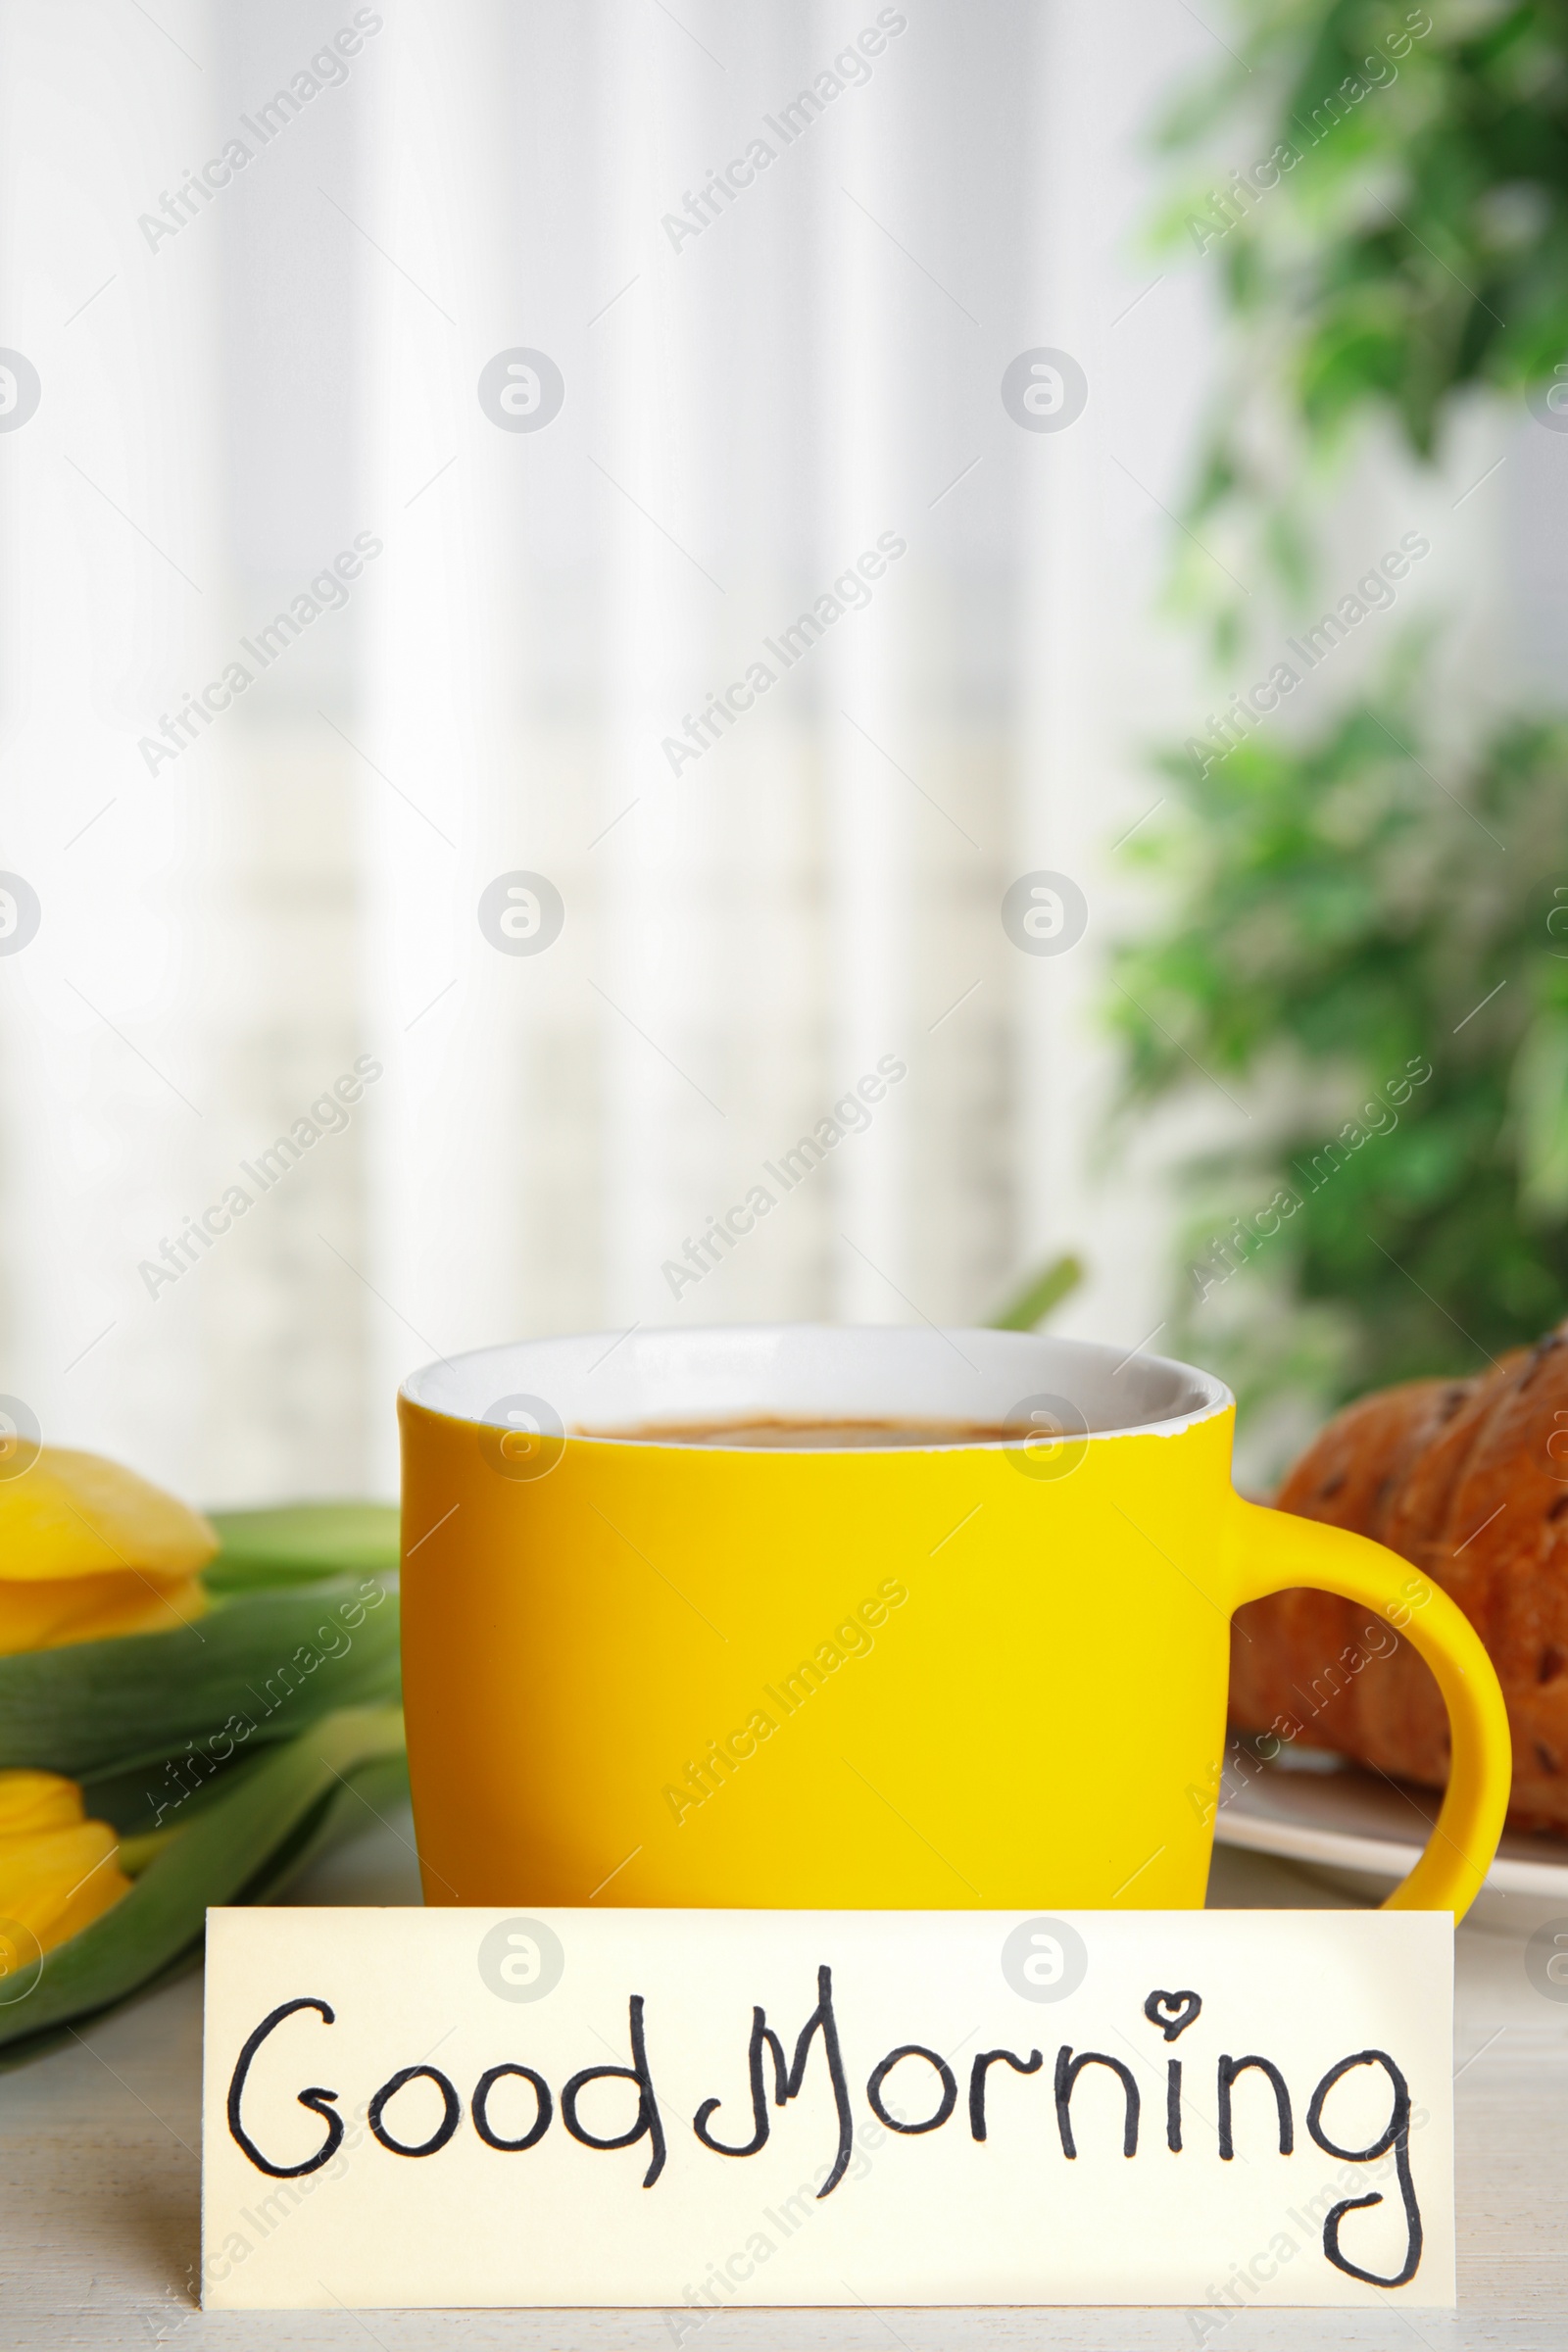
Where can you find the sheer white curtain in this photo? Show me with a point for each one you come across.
(291, 382)
(113, 603)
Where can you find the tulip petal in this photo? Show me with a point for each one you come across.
(32, 1801)
(45, 1615)
(79, 1514)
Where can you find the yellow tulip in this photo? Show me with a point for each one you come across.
(88, 1550)
(58, 1871)
(32, 1802)
(79, 1514)
(90, 1608)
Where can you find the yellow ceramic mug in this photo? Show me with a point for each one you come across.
(647, 1672)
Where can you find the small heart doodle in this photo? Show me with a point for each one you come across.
(1172, 2012)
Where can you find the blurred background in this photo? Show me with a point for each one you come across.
(414, 416)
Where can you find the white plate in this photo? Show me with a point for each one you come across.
(1341, 1818)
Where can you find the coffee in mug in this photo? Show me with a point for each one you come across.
(815, 1437)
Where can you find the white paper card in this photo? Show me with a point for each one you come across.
(583, 2107)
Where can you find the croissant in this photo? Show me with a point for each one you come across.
(1468, 1480)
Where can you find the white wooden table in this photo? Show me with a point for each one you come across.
(100, 2194)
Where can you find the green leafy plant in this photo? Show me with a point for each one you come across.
(1394, 952)
(226, 1753)
(1348, 907)
(1384, 193)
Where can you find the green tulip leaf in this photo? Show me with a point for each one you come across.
(260, 1666)
(302, 1541)
(245, 1846)
(1028, 1308)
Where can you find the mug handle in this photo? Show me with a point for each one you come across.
(1276, 1551)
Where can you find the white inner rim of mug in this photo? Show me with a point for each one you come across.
(600, 1386)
